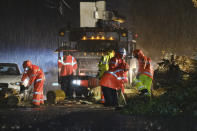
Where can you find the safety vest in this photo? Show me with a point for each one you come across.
(104, 63)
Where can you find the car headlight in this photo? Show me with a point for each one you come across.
(76, 82)
(16, 83)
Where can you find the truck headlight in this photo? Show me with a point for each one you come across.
(55, 84)
(76, 82)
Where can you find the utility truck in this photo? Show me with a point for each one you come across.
(100, 31)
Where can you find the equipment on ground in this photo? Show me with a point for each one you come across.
(55, 96)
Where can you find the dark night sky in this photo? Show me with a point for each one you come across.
(169, 25)
(28, 29)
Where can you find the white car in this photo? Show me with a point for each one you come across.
(10, 76)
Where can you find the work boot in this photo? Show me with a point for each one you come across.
(35, 106)
(42, 104)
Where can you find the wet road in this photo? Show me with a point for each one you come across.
(86, 117)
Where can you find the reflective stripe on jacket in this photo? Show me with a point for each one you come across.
(114, 74)
(142, 64)
(114, 78)
(148, 71)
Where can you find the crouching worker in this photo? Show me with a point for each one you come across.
(147, 76)
(33, 74)
(145, 73)
(113, 79)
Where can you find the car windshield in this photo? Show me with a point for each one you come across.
(9, 69)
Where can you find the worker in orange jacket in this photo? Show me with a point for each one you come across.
(113, 79)
(145, 73)
(141, 60)
(103, 66)
(34, 74)
(68, 65)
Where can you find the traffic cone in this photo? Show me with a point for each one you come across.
(102, 98)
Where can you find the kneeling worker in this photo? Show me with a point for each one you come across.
(145, 73)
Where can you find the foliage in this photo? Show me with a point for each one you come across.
(174, 99)
(177, 101)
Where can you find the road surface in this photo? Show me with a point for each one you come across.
(82, 116)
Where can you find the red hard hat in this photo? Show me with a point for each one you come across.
(27, 63)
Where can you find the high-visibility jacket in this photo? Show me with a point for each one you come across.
(148, 71)
(35, 75)
(145, 78)
(104, 63)
(144, 82)
(124, 66)
(114, 78)
(141, 60)
(69, 65)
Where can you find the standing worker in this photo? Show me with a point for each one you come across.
(104, 66)
(68, 69)
(113, 79)
(34, 74)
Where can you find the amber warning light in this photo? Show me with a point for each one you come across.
(97, 38)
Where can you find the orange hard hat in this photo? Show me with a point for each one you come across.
(27, 63)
